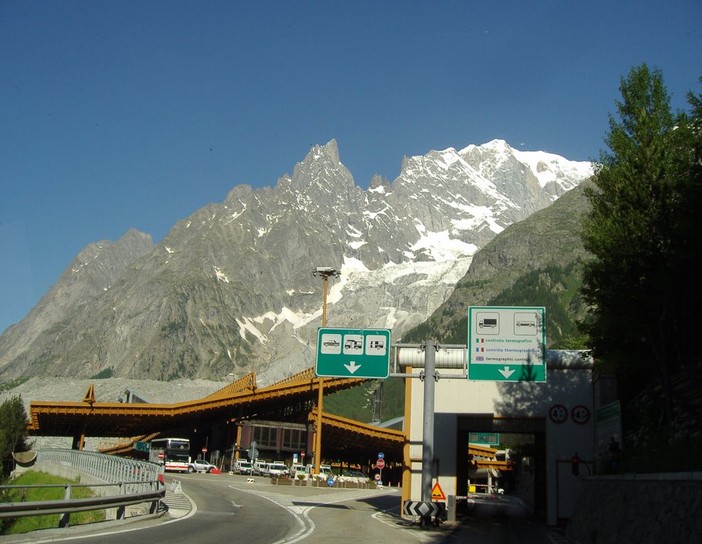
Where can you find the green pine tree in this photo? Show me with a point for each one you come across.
(637, 231)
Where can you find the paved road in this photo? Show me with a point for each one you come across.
(225, 508)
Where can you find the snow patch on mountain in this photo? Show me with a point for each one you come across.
(549, 168)
(480, 215)
(247, 325)
(221, 276)
(442, 247)
(546, 167)
(450, 260)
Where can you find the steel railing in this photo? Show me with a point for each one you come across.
(126, 482)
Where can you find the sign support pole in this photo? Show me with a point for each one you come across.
(320, 391)
(426, 508)
(428, 436)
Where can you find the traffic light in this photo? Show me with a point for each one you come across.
(575, 464)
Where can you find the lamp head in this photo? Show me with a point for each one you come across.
(325, 271)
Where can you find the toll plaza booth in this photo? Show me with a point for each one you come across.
(546, 423)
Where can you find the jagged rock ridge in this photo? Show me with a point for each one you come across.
(230, 290)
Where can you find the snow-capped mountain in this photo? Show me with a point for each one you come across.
(230, 289)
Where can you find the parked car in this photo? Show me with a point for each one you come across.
(354, 476)
(200, 465)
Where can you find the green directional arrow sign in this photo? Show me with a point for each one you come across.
(353, 353)
(507, 344)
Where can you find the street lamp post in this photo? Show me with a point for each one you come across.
(326, 272)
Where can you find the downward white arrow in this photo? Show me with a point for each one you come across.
(352, 367)
(506, 372)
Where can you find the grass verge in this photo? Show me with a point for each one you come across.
(32, 523)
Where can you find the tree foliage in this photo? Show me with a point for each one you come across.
(13, 431)
(357, 402)
(643, 231)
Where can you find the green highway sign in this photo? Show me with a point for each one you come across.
(353, 353)
(142, 446)
(507, 344)
(491, 439)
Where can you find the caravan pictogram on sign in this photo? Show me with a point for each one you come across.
(437, 494)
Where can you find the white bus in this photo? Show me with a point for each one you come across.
(172, 453)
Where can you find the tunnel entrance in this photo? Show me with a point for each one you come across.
(519, 447)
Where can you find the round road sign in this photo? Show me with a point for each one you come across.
(380, 463)
(580, 414)
(558, 413)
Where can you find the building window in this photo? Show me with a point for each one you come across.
(294, 439)
(265, 436)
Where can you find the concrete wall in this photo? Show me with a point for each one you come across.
(638, 509)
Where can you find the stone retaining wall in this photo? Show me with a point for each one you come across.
(638, 508)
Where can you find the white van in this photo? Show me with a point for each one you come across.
(325, 472)
(242, 466)
(298, 471)
(260, 468)
(277, 469)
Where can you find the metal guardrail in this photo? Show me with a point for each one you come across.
(133, 482)
(107, 468)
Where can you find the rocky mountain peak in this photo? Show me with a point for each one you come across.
(321, 170)
(230, 289)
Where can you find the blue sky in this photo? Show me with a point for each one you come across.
(119, 114)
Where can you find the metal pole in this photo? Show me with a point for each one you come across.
(324, 300)
(428, 437)
(320, 391)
